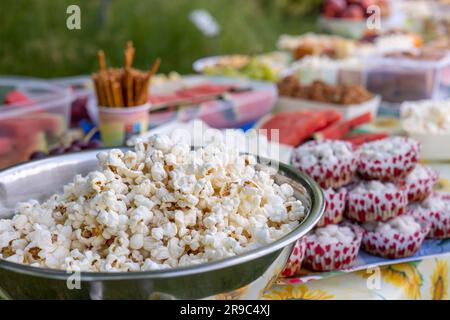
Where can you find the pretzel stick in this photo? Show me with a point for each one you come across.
(98, 91)
(107, 88)
(117, 94)
(129, 87)
(117, 88)
(101, 60)
(137, 87)
(143, 95)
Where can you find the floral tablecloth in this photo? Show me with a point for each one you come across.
(424, 279)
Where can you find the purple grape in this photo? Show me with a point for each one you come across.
(57, 150)
(38, 155)
(94, 144)
(80, 144)
(73, 149)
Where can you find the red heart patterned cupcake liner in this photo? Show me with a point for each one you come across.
(420, 189)
(339, 175)
(371, 207)
(295, 260)
(328, 257)
(336, 176)
(438, 221)
(335, 202)
(394, 246)
(392, 168)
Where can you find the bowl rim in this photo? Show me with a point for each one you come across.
(314, 215)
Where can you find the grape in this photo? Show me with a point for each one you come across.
(72, 148)
(94, 144)
(80, 144)
(57, 150)
(38, 155)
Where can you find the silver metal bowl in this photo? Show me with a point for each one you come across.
(242, 276)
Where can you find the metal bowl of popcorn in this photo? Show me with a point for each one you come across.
(244, 275)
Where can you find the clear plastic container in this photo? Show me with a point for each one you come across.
(228, 110)
(35, 118)
(403, 79)
(288, 104)
(82, 89)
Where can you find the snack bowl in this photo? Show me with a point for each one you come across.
(242, 276)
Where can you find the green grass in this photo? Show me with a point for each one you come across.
(34, 40)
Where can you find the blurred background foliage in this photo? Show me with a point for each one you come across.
(35, 41)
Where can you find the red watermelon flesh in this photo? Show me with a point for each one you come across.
(6, 145)
(296, 127)
(16, 97)
(25, 125)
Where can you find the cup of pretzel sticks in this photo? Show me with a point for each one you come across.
(122, 98)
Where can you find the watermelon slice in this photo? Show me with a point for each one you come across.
(28, 124)
(360, 138)
(6, 145)
(340, 129)
(16, 97)
(296, 127)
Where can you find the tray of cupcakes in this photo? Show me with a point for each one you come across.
(381, 208)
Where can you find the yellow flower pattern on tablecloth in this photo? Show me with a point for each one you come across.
(404, 275)
(439, 281)
(300, 292)
(443, 185)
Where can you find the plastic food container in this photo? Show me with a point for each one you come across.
(349, 71)
(118, 124)
(82, 90)
(347, 111)
(230, 110)
(434, 146)
(401, 79)
(35, 118)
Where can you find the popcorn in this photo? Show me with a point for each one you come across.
(160, 206)
(402, 224)
(426, 117)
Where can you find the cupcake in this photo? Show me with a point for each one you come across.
(397, 238)
(420, 182)
(335, 201)
(435, 211)
(295, 260)
(332, 247)
(388, 159)
(376, 201)
(331, 163)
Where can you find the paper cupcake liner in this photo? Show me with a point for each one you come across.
(420, 189)
(319, 257)
(439, 222)
(376, 207)
(340, 174)
(390, 169)
(335, 202)
(394, 246)
(295, 260)
(336, 177)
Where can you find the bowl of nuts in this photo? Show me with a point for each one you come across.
(160, 221)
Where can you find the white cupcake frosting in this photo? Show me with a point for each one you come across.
(326, 153)
(374, 186)
(385, 148)
(406, 225)
(434, 202)
(420, 172)
(333, 234)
